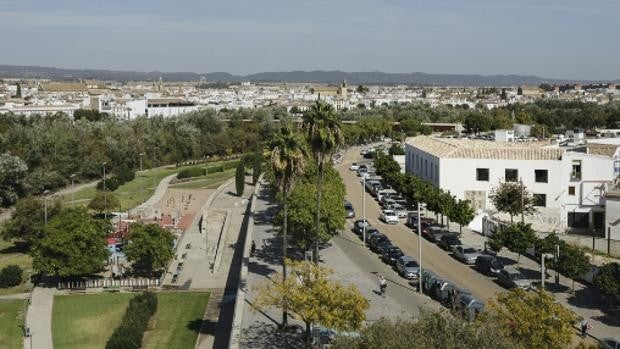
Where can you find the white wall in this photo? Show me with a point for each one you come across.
(612, 217)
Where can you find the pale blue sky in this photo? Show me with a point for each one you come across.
(550, 38)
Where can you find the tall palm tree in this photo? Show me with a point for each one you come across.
(325, 136)
(288, 157)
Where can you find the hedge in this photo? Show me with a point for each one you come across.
(131, 330)
(10, 276)
(191, 172)
(230, 164)
(215, 169)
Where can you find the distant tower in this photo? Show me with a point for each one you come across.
(342, 91)
(203, 80)
(160, 85)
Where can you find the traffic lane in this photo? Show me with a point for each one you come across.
(433, 257)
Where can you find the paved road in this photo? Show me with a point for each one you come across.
(433, 257)
(39, 318)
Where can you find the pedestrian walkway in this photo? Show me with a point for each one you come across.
(146, 208)
(39, 318)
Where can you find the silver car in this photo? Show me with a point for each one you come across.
(465, 254)
(407, 267)
(510, 277)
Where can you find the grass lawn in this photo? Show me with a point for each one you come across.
(133, 193)
(11, 322)
(210, 181)
(177, 320)
(87, 321)
(11, 253)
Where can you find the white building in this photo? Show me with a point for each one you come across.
(567, 185)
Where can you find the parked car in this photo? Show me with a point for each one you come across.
(448, 241)
(407, 267)
(385, 193)
(370, 232)
(454, 295)
(389, 217)
(465, 254)
(361, 171)
(358, 226)
(510, 277)
(370, 184)
(386, 201)
(391, 255)
(349, 210)
(469, 307)
(609, 343)
(439, 290)
(400, 211)
(377, 240)
(488, 265)
(354, 167)
(382, 247)
(412, 219)
(437, 233)
(428, 279)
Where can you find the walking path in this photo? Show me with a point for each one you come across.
(39, 319)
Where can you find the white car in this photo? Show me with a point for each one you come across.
(354, 167)
(389, 217)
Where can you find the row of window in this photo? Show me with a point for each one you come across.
(512, 175)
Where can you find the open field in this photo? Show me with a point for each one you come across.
(177, 320)
(11, 322)
(88, 320)
(210, 181)
(11, 253)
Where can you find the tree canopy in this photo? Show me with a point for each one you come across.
(512, 198)
(104, 201)
(149, 247)
(27, 221)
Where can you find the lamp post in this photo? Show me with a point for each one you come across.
(72, 189)
(542, 267)
(141, 155)
(364, 208)
(45, 205)
(105, 197)
(419, 249)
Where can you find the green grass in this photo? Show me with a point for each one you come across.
(87, 321)
(177, 320)
(11, 253)
(210, 181)
(11, 322)
(132, 194)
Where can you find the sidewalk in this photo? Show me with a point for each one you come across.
(39, 318)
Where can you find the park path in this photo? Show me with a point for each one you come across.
(39, 319)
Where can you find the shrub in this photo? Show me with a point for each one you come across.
(240, 179)
(10, 276)
(131, 330)
(230, 164)
(125, 175)
(191, 172)
(214, 169)
(111, 184)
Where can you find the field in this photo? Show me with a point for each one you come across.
(87, 321)
(11, 253)
(11, 322)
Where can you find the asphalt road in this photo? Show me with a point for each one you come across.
(433, 258)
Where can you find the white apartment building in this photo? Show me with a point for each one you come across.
(567, 185)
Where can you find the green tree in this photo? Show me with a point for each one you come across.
(324, 136)
(73, 245)
(288, 159)
(104, 202)
(149, 247)
(519, 91)
(18, 92)
(533, 319)
(10, 276)
(476, 122)
(608, 280)
(432, 329)
(12, 173)
(516, 237)
(397, 149)
(28, 218)
(503, 95)
(257, 167)
(462, 213)
(240, 178)
(512, 198)
(314, 297)
(573, 263)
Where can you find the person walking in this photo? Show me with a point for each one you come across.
(252, 249)
(585, 327)
(382, 285)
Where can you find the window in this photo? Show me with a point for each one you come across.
(512, 175)
(482, 174)
(576, 171)
(542, 176)
(539, 200)
(578, 220)
(571, 191)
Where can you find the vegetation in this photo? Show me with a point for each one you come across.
(104, 202)
(533, 319)
(512, 198)
(13, 253)
(314, 297)
(28, 218)
(12, 175)
(73, 244)
(129, 334)
(608, 280)
(11, 322)
(10, 276)
(149, 247)
(516, 237)
(240, 178)
(325, 135)
(573, 263)
(257, 167)
(433, 329)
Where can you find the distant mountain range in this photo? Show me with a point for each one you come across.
(317, 76)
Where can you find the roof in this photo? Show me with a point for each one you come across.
(480, 149)
(601, 149)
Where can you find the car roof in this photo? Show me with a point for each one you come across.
(512, 270)
(407, 258)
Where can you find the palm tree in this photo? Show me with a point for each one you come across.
(288, 161)
(325, 136)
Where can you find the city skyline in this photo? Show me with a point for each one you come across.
(557, 39)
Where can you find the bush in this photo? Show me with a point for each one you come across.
(131, 330)
(111, 184)
(215, 169)
(191, 172)
(230, 164)
(240, 179)
(125, 175)
(10, 276)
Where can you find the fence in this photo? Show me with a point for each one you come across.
(108, 283)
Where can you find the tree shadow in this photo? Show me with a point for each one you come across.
(260, 268)
(591, 298)
(265, 335)
(17, 247)
(201, 326)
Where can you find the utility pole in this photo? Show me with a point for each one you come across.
(557, 261)
(72, 189)
(419, 250)
(105, 196)
(522, 201)
(364, 208)
(45, 205)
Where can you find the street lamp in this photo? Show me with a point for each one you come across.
(45, 205)
(420, 248)
(542, 267)
(72, 189)
(105, 197)
(364, 207)
(141, 155)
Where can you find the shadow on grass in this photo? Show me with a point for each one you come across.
(17, 247)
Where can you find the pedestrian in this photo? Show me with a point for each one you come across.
(585, 326)
(252, 249)
(382, 284)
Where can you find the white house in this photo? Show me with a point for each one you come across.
(567, 185)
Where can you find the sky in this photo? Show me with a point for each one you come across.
(571, 39)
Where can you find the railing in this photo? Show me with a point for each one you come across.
(108, 283)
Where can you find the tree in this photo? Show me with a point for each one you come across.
(397, 149)
(512, 198)
(516, 237)
(503, 95)
(10, 276)
(18, 92)
(149, 247)
(432, 329)
(608, 280)
(28, 219)
(288, 161)
(257, 167)
(324, 136)
(362, 89)
(12, 173)
(573, 263)
(314, 297)
(104, 201)
(533, 319)
(519, 91)
(240, 178)
(462, 213)
(73, 244)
